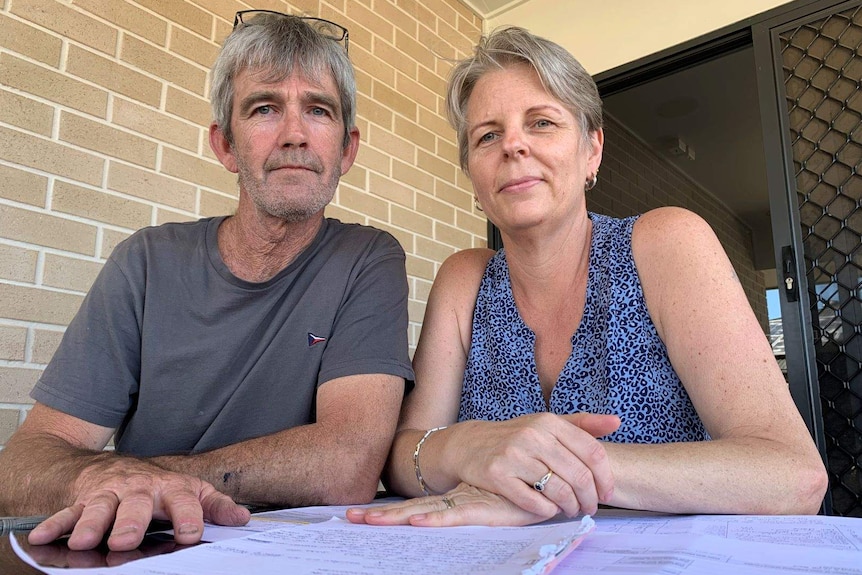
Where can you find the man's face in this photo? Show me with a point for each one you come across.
(288, 143)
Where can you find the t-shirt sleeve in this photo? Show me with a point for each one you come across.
(95, 371)
(370, 330)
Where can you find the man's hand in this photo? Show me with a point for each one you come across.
(121, 495)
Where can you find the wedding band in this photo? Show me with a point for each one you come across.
(540, 484)
(449, 503)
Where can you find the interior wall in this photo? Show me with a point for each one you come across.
(104, 117)
(603, 35)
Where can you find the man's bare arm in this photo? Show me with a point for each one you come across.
(336, 460)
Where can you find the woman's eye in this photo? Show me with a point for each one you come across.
(543, 123)
(487, 137)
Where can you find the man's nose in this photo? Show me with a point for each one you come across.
(293, 129)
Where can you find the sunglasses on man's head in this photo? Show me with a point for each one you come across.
(325, 28)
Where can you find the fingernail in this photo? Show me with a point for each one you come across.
(187, 529)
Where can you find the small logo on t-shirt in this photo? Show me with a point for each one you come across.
(314, 339)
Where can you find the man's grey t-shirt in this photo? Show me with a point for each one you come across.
(182, 356)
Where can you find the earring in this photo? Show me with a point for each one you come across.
(476, 203)
(591, 183)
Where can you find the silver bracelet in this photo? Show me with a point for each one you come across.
(421, 481)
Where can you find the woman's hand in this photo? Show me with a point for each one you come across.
(510, 458)
(464, 505)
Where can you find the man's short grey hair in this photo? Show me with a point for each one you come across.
(274, 45)
(560, 73)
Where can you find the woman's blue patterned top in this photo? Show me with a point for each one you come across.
(619, 365)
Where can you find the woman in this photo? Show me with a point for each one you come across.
(583, 326)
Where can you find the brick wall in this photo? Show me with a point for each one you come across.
(103, 130)
(633, 179)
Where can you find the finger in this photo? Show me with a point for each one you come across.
(497, 513)
(596, 424)
(95, 521)
(589, 471)
(562, 495)
(400, 513)
(220, 509)
(185, 511)
(56, 526)
(133, 516)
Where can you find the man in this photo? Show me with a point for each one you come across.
(257, 358)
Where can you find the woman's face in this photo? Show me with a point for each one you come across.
(526, 156)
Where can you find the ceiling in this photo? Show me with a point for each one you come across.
(712, 111)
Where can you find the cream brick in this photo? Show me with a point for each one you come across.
(440, 168)
(375, 113)
(110, 239)
(437, 85)
(45, 343)
(364, 203)
(113, 76)
(412, 221)
(46, 230)
(436, 123)
(420, 267)
(69, 273)
(370, 64)
(373, 159)
(193, 108)
(420, 289)
(404, 64)
(52, 85)
(463, 182)
(37, 305)
(221, 30)
(16, 383)
(8, 424)
(461, 43)
(128, 17)
(51, 157)
(22, 186)
(476, 225)
(68, 23)
(433, 250)
(436, 45)
(193, 47)
(164, 215)
(452, 236)
(395, 15)
(26, 113)
(160, 63)
(222, 8)
(216, 204)
(455, 196)
(448, 151)
(435, 209)
(357, 176)
(412, 177)
(155, 124)
(17, 264)
(389, 143)
(407, 44)
(414, 133)
(151, 186)
(182, 13)
(480, 242)
(363, 82)
(378, 25)
(388, 97)
(12, 341)
(107, 140)
(416, 310)
(391, 190)
(195, 170)
(335, 11)
(101, 207)
(23, 39)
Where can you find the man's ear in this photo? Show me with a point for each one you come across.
(348, 155)
(222, 148)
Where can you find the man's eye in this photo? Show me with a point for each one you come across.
(263, 110)
(317, 111)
